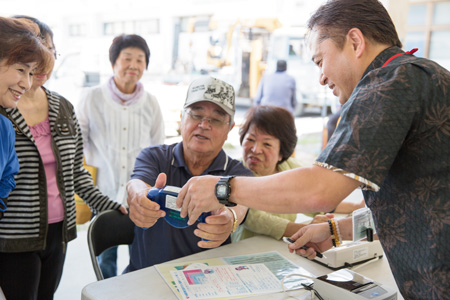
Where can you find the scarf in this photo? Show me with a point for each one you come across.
(122, 98)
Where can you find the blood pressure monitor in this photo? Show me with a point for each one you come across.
(349, 285)
(167, 200)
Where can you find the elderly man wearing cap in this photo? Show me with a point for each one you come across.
(206, 120)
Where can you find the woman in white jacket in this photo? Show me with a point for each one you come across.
(118, 119)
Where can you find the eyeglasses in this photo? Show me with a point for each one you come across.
(198, 118)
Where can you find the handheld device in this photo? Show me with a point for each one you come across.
(167, 200)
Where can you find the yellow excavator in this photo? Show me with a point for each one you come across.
(243, 47)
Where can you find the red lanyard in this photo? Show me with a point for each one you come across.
(396, 55)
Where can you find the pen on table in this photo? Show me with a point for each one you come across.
(289, 241)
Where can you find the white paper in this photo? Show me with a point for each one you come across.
(278, 265)
(225, 281)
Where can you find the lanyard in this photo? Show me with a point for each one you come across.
(411, 52)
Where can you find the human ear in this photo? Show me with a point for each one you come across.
(357, 41)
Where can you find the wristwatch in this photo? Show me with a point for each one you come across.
(223, 190)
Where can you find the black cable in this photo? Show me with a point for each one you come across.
(310, 288)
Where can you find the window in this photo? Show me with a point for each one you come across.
(428, 28)
(77, 30)
(112, 28)
(144, 27)
(195, 24)
(141, 27)
(296, 50)
(440, 47)
(417, 15)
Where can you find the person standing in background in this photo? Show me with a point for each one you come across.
(40, 219)
(21, 53)
(278, 89)
(118, 119)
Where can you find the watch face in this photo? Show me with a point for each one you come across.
(221, 191)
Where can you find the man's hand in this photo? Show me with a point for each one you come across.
(143, 211)
(217, 228)
(197, 196)
(316, 237)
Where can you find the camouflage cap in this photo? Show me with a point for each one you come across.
(212, 90)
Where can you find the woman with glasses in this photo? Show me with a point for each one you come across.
(40, 219)
(118, 119)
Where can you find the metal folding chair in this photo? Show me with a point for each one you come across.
(109, 228)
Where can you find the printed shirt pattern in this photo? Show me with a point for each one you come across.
(394, 137)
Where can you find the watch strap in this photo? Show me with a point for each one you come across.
(226, 180)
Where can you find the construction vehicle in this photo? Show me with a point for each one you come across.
(234, 50)
(239, 50)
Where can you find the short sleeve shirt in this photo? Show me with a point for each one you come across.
(162, 242)
(394, 137)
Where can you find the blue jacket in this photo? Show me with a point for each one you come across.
(9, 164)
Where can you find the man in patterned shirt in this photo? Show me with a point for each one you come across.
(393, 140)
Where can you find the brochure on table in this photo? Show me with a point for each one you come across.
(232, 277)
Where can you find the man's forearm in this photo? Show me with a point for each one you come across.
(300, 190)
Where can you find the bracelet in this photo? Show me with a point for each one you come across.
(338, 231)
(332, 233)
(235, 219)
(336, 237)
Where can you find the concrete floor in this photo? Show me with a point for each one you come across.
(78, 271)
